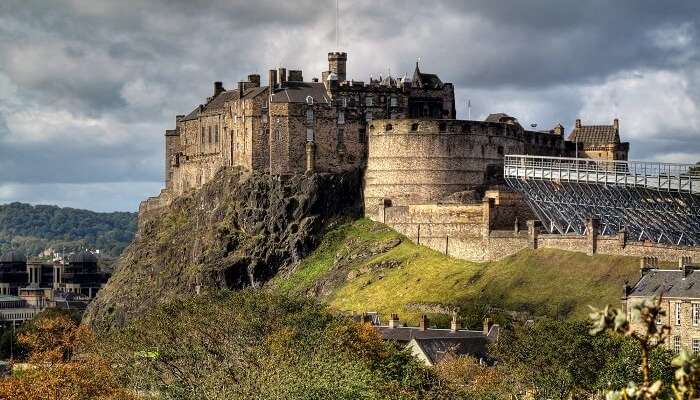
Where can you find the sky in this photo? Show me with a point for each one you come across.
(88, 87)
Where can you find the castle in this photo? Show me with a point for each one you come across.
(436, 179)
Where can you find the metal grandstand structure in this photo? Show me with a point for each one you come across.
(658, 202)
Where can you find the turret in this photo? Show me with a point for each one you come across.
(337, 65)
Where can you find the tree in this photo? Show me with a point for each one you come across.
(60, 365)
(642, 327)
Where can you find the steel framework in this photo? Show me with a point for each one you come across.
(659, 202)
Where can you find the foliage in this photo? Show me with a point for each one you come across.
(642, 327)
(59, 365)
(253, 344)
(31, 229)
(356, 276)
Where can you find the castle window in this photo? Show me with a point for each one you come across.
(388, 127)
(309, 135)
(394, 101)
(309, 116)
(414, 126)
(362, 135)
(500, 150)
(369, 101)
(443, 127)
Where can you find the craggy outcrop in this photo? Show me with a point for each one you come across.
(237, 230)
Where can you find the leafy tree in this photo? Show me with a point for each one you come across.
(59, 365)
(643, 329)
(257, 345)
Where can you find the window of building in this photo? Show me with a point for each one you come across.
(369, 101)
(341, 117)
(216, 134)
(340, 135)
(264, 118)
(202, 141)
(388, 127)
(309, 135)
(368, 116)
(362, 135)
(443, 127)
(696, 345)
(382, 99)
(696, 314)
(414, 126)
(676, 344)
(210, 136)
(678, 313)
(309, 116)
(394, 102)
(500, 150)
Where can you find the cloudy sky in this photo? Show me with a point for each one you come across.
(87, 87)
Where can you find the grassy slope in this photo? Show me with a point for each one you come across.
(543, 282)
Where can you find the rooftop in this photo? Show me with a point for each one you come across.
(676, 283)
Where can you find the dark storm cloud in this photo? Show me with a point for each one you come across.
(88, 86)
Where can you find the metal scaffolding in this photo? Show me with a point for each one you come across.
(659, 202)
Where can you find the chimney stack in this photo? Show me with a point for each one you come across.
(272, 79)
(295, 76)
(218, 88)
(337, 64)
(616, 124)
(254, 79)
(578, 122)
(559, 130)
(487, 325)
(684, 261)
(394, 321)
(282, 77)
(455, 325)
(241, 89)
(423, 322)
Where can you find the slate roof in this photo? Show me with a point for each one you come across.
(217, 103)
(595, 134)
(436, 349)
(13, 257)
(405, 333)
(669, 282)
(421, 79)
(297, 92)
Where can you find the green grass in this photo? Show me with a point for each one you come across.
(541, 282)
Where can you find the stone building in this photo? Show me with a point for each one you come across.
(598, 141)
(679, 290)
(76, 273)
(293, 126)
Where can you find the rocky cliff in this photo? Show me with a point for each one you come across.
(238, 230)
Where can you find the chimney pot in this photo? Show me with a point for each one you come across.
(578, 122)
(616, 124)
(254, 79)
(394, 321)
(241, 89)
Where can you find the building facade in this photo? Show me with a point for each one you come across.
(679, 290)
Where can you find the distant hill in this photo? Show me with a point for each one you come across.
(31, 229)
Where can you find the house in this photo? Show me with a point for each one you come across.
(432, 345)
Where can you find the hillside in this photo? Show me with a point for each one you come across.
(365, 266)
(237, 230)
(31, 229)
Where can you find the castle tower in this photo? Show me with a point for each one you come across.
(336, 64)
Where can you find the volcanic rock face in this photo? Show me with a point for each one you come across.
(238, 230)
